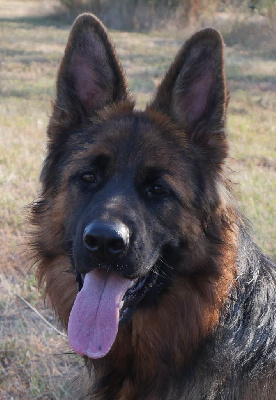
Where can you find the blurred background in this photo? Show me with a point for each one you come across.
(36, 362)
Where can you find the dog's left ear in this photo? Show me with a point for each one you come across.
(193, 93)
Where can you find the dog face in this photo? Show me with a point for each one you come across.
(123, 196)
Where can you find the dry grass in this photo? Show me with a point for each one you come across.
(33, 359)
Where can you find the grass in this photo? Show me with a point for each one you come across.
(34, 360)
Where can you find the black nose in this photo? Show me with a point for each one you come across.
(106, 239)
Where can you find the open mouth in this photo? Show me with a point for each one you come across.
(133, 296)
(106, 300)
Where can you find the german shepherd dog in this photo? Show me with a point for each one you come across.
(140, 246)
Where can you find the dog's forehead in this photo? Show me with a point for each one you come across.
(133, 138)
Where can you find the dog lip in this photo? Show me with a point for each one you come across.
(135, 291)
(80, 279)
(135, 294)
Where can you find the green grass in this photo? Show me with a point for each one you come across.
(33, 359)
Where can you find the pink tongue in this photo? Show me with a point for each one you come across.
(94, 319)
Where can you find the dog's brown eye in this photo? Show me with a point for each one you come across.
(89, 177)
(157, 190)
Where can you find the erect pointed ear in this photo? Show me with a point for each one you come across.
(193, 93)
(90, 75)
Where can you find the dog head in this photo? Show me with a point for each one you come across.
(128, 195)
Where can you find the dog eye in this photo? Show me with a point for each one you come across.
(89, 177)
(157, 190)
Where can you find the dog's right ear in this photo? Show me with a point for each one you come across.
(90, 75)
